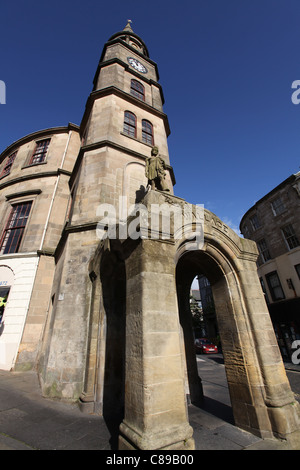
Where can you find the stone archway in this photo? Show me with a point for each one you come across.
(254, 395)
(155, 403)
(147, 278)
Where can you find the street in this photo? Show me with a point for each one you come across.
(213, 421)
(211, 369)
(28, 421)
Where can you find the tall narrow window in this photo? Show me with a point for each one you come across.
(255, 222)
(14, 230)
(245, 231)
(40, 152)
(137, 90)
(275, 286)
(147, 132)
(129, 127)
(8, 164)
(264, 289)
(278, 206)
(263, 250)
(290, 236)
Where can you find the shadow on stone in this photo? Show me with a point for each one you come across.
(113, 422)
(217, 409)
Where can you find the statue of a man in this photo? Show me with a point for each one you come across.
(155, 171)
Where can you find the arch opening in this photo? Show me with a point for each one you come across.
(200, 319)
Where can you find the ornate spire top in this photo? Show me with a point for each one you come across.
(128, 26)
(131, 38)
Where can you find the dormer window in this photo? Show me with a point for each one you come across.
(137, 90)
(134, 44)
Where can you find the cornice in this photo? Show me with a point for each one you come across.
(45, 174)
(30, 192)
(115, 40)
(116, 60)
(112, 90)
(131, 49)
(117, 36)
(37, 135)
(287, 181)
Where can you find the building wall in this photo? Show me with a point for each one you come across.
(23, 268)
(46, 185)
(37, 314)
(281, 259)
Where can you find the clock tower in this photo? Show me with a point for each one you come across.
(123, 120)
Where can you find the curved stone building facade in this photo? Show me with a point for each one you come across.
(34, 198)
(274, 224)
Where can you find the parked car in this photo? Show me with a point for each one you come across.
(204, 346)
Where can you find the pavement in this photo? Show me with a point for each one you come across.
(29, 421)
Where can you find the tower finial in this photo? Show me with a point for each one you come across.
(128, 26)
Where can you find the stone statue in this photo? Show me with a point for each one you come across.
(155, 171)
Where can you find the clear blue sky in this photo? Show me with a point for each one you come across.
(226, 68)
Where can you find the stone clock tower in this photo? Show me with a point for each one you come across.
(123, 119)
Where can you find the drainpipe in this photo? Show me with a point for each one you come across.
(54, 191)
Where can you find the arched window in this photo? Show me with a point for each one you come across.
(129, 127)
(137, 90)
(147, 132)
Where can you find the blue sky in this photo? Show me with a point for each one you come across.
(226, 68)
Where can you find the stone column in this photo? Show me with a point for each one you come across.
(282, 408)
(155, 404)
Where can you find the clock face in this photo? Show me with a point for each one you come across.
(137, 65)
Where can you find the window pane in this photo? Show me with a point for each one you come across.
(13, 240)
(255, 222)
(8, 164)
(137, 90)
(129, 126)
(147, 132)
(15, 226)
(40, 152)
(278, 206)
(290, 237)
(275, 286)
(263, 250)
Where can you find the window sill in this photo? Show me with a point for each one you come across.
(293, 250)
(136, 139)
(32, 254)
(33, 164)
(4, 176)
